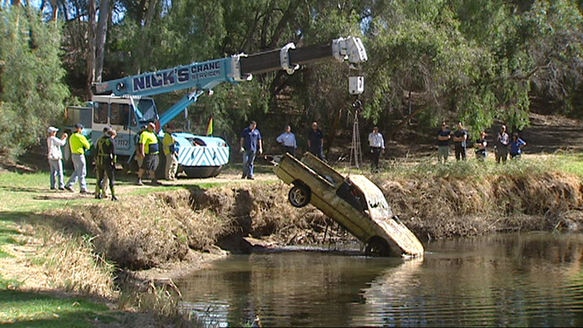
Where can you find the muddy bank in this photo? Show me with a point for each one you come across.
(172, 227)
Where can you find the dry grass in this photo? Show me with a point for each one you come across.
(147, 231)
(71, 265)
(445, 206)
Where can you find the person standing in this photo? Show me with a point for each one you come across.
(105, 164)
(443, 137)
(251, 144)
(78, 145)
(481, 147)
(516, 146)
(288, 141)
(55, 157)
(376, 143)
(460, 139)
(316, 141)
(171, 152)
(149, 151)
(502, 143)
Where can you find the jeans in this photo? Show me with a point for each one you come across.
(79, 173)
(248, 159)
(56, 167)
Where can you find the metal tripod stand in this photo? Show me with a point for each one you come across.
(355, 149)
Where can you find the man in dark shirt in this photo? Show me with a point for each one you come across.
(460, 139)
(443, 137)
(316, 141)
(105, 163)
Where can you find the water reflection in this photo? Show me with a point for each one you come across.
(504, 280)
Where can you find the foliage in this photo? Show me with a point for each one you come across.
(482, 62)
(31, 91)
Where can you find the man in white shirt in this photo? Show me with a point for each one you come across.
(288, 141)
(377, 146)
(55, 157)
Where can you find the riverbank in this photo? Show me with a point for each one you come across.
(119, 252)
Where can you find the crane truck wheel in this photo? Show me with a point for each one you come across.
(299, 195)
(201, 171)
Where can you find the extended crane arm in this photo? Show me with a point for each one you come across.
(208, 74)
(289, 57)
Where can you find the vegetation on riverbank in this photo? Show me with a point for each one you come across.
(55, 245)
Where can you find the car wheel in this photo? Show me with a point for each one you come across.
(299, 196)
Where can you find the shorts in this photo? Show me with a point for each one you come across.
(151, 162)
(442, 151)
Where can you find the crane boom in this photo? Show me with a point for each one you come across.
(237, 68)
(126, 103)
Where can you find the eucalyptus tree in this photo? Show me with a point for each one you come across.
(476, 61)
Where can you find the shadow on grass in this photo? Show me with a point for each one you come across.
(23, 189)
(34, 309)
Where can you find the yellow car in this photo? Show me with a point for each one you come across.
(353, 201)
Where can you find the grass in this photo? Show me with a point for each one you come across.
(25, 201)
(67, 260)
(428, 168)
(20, 199)
(32, 309)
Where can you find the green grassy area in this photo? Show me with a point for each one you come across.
(30, 309)
(22, 197)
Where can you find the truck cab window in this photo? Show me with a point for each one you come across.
(100, 113)
(119, 114)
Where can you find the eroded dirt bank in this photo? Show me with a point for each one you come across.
(181, 226)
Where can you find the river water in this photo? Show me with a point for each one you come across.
(527, 279)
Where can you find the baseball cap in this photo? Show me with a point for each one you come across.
(106, 128)
(78, 126)
(52, 129)
(152, 125)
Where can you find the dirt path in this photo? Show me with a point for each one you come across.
(550, 134)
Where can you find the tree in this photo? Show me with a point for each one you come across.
(31, 89)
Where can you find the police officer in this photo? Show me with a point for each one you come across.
(105, 163)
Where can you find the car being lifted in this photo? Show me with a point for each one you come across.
(353, 201)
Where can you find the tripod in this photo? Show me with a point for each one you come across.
(355, 149)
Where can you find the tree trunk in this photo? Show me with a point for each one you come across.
(90, 46)
(101, 37)
(54, 10)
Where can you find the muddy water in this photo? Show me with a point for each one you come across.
(533, 279)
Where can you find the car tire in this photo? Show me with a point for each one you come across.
(299, 196)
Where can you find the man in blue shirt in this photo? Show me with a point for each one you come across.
(287, 140)
(251, 144)
(516, 146)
